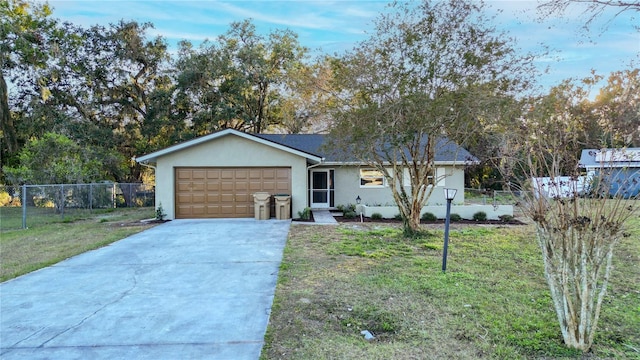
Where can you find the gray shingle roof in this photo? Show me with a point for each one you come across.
(446, 151)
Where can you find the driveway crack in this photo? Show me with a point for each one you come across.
(118, 299)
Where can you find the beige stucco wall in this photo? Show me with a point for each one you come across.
(347, 186)
(229, 151)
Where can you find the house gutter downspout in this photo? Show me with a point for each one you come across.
(315, 165)
(147, 165)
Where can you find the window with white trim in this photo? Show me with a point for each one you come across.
(371, 178)
(435, 177)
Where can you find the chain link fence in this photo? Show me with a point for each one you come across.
(22, 205)
(490, 197)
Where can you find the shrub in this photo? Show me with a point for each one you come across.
(160, 213)
(428, 217)
(346, 208)
(305, 214)
(455, 217)
(349, 214)
(376, 216)
(5, 198)
(480, 216)
(397, 217)
(506, 218)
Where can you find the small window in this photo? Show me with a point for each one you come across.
(371, 178)
(431, 178)
(434, 176)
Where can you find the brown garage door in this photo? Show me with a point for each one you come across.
(225, 192)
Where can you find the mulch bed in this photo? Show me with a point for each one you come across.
(463, 221)
(342, 219)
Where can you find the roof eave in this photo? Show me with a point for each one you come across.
(152, 157)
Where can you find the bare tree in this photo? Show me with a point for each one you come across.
(579, 219)
(592, 8)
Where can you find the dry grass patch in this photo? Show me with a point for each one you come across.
(493, 301)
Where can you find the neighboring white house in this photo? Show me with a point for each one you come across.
(560, 186)
(215, 176)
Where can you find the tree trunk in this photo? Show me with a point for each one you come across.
(6, 122)
(412, 224)
(577, 277)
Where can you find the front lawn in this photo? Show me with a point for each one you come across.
(44, 244)
(493, 302)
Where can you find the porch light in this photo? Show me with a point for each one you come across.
(358, 200)
(449, 194)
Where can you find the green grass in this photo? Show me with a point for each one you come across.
(44, 244)
(492, 302)
(11, 216)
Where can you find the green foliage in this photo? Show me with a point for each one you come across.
(423, 60)
(54, 159)
(305, 214)
(376, 216)
(480, 216)
(428, 217)
(455, 217)
(160, 214)
(233, 81)
(349, 214)
(346, 208)
(506, 218)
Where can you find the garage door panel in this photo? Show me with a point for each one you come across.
(198, 210)
(227, 174)
(198, 198)
(197, 187)
(227, 186)
(226, 198)
(255, 174)
(199, 174)
(225, 192)
(241, 174)
(269, 173)
(244, 198)
(213, 174)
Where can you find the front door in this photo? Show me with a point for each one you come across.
(321, 189)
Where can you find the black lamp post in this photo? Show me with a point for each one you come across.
(358, 200)
(449, 194)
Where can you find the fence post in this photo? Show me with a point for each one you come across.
(62, 201)
(24, 206)
(90, 197)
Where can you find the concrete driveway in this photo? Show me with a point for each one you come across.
(186, 289)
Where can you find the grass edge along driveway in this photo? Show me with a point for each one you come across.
(493, 302)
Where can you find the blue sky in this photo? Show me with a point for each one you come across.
(335, 26)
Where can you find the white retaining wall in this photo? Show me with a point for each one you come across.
(440, 211)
